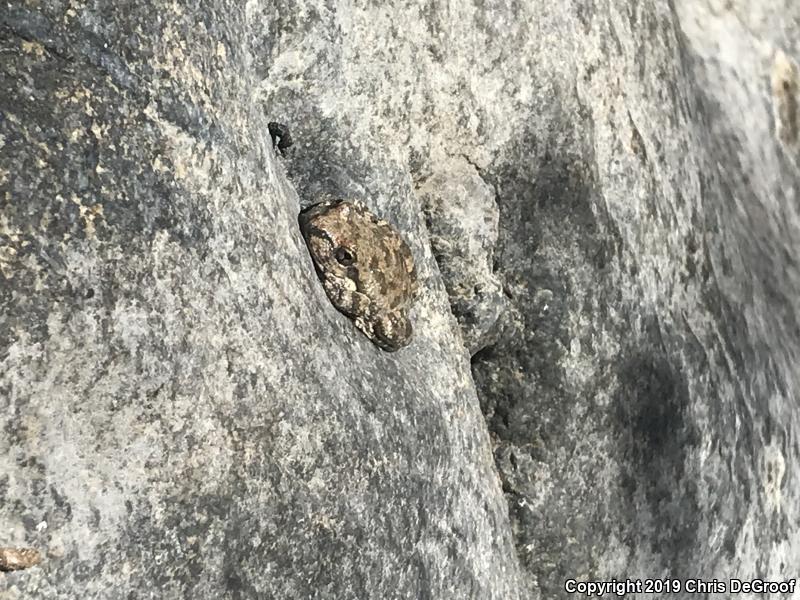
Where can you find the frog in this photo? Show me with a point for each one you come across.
(366, 268)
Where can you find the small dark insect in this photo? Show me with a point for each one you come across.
(15, 559)
(280, 136)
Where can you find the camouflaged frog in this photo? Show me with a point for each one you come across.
(366, 268)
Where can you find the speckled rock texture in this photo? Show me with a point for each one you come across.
(462, 218)
(185, 415)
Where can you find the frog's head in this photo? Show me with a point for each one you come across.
(366, 268)
(332, 241)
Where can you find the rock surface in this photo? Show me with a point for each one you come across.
(185, 415)
(462, 218)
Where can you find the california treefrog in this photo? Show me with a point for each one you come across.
(366, 268)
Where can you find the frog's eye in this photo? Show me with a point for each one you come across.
(344, 256)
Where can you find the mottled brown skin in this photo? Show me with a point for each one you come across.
(15, 559)
(366, 268)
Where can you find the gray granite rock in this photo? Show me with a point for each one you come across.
(462, 219)
(187, 416)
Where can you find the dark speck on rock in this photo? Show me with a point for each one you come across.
(281, 138)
